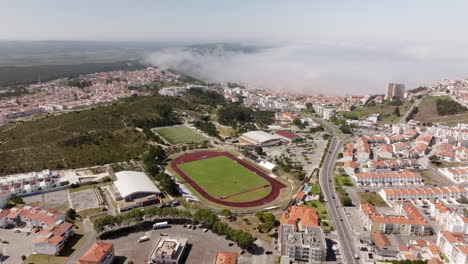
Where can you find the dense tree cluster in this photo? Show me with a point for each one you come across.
(233, 114)
(211, 98)
(297, 122)
(351, 116)
(167, 183)
(449, 107)
(264, 118)
(267, 221)
(208, 127)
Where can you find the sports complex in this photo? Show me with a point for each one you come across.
(224, 179)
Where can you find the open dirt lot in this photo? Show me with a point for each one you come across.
(84, 200)
(56, 199)
(203, 245)
(18, 244)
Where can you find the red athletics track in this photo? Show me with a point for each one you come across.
(276, 186)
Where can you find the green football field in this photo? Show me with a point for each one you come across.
(222, 177)
(179, 134)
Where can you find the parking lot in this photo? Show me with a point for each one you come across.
(14, 245)
(308, 153)
(203, 245)
(84, 200)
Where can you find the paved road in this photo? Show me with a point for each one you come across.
(416, 103)
(326, 180)
(89, 237)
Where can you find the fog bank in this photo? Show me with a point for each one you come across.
(311, 68)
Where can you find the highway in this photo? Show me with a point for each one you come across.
(336, 212)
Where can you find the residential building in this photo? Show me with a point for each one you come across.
(385, 151)
(52, 239)
(388, 179)
(449, 220)
(98, 253)
(29, 182)
(34, 216)
(383, 247)
(225, 258)
(350, 167)
(420, 249)
(300, 236)
(454, 246)
(168, 250)
(456, 174)
(434, 193)
(300, 216)
(406, 221)
(306, 246)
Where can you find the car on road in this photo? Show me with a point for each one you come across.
(341, 218)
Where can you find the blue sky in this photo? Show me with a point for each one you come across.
(305, 21)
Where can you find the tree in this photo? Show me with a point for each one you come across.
(297, 122)
(226, 212)
(346, 201)
(396, 112)
(245, 239)
(16, 199)
(259, 150)
(167, 183)
(70, 215)
(310, 107)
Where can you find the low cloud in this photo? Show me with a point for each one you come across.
(307, 69)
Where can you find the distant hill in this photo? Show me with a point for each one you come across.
(12, 76)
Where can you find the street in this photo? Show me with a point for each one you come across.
(338, 216)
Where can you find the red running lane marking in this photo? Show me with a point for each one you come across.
(276, 186)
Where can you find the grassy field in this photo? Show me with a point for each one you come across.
(221, 176)
(344, 180)
(79, 139)
(428, 112)
(315, 189)
(179, 134)
(372, 198)
(385, 111)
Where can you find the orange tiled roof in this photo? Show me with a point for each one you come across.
(226, 258)
(96, 253)
(305, 215)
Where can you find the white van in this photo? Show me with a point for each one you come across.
(143, 239)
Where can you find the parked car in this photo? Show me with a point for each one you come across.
(143, 239)
(164, 234)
